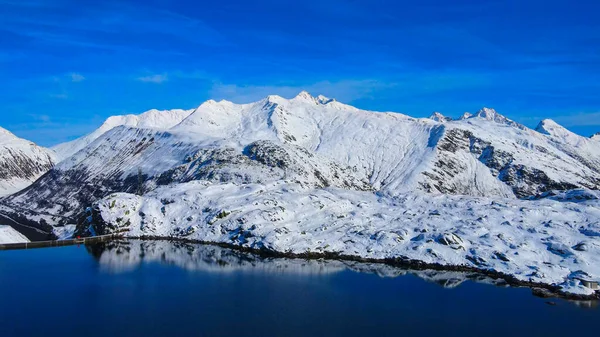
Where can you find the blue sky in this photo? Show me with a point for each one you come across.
(66, 65)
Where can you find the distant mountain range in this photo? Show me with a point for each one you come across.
(298, 147)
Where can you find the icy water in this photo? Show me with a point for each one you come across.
(156, 288)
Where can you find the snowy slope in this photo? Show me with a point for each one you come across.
(546, 241)
(596, 137)
(315, 141)
(10, 235)
(582, 149)
(152, 119)
(21, 162)
(528, 161)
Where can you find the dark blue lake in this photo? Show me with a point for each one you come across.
(173, 289)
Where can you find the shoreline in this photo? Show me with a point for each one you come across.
(57, 243)
(538, 289)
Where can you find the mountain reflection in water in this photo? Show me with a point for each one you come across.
(123, 256)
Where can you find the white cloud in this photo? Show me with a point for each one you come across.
(158, 78)
(579, 119)
(41, 118)
(75, 77)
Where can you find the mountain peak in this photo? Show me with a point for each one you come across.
(466, 115)
(438, 117)
(4, 132)
(489, 114)
(550, 127)
(7, 136)
(596, 137)
(493, 116)
(209, 102)
(304, 95)
(324, 100)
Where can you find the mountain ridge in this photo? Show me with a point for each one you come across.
(311, 175)
(21, 162)
(485, 154)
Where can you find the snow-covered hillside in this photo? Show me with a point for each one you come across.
(318, 142)
(10, 235)
(21, 162)
(596, 137)
(360, 182)
(551, 241)
(152, 119)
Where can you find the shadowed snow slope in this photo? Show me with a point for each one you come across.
(21, 162)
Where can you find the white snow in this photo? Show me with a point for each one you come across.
(438, 117)
(542, 241)
(152, 119)
(394, 152)
(11, 235)
(21, 162)
(64, 232)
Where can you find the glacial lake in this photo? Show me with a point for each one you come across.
(158, 288)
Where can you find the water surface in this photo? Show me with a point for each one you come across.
(159, 288)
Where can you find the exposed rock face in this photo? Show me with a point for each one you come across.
(458, 161)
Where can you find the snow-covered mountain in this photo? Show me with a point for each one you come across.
(152, 119)
(318, 142)
(353, 181)
(596, 137)
(21, 162)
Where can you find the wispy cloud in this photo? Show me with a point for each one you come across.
(59, 96)
(110, 26)
(579, 119)
(49, 133)
(75, 77)
(157, 78)
(41, 118)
